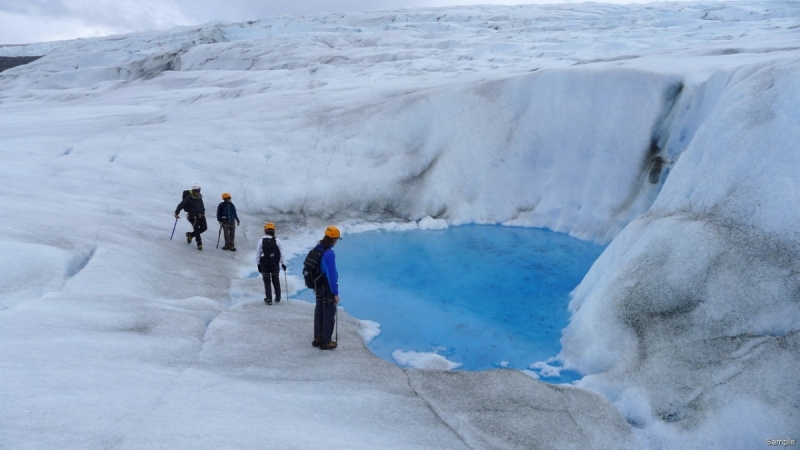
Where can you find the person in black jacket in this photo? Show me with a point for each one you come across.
(269, 258)
(226, 215)
(196, 215)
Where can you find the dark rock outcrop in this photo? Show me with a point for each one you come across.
(7, 62)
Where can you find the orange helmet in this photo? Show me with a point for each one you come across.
(333, 232)
(269, 226)
(225, 195)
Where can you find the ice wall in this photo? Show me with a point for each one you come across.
(689, 321)
(534, 150)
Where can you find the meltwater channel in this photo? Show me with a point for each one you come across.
(481, 296)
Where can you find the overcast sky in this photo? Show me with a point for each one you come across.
(25, 21)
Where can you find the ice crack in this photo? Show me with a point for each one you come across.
(433, 410)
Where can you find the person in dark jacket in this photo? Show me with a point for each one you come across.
(269, 259)
(226, 215)
(196, 215)
(326, 292)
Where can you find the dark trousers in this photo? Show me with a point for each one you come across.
(324, 319)
(229, 231)
(199, 226)
(275, 279)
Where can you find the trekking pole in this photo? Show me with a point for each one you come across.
(218, 235)
(286, 282)
(173, 229)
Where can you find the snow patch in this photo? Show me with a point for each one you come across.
(423, 360)
(369, 330)
(546, 370)
(429, 223)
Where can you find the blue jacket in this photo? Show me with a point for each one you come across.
(226, 212)
(329, 268)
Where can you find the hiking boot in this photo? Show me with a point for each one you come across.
(329, 346)
(277, 300)
(268, 301)
(233, 249)
(316, 342)
(225, 247)
(199, 246)
(188, 237)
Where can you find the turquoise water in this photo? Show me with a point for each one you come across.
(482, 296)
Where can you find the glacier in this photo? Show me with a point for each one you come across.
(668, 131)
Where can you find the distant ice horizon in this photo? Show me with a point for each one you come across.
(59, 21)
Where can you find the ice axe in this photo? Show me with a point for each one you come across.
(173, 229)
(286, 282)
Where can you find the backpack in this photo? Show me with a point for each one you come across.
(312, 271)
(185, 193)
(270, 255)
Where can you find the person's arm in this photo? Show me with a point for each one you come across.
(180, 207)
(219, 212)
(258, 252)
(333, 274)
(235, 216)
(280, 249)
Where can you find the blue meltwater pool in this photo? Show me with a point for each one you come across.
(480, 296)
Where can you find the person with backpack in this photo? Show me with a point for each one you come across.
(269, 258)
(320, 274)
(226, 215)
(196, 214)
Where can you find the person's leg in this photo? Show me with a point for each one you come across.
(200, 227)
(190, 235)
(267, 287)
(328, 311)
(196, 228)
(226, 233)
(317, 323)
(276, 284)
(232, 231)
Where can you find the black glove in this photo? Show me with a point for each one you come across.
(284, 267)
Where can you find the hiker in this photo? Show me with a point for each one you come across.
(269, 258)
(226, 215)
(326, 291)
(196, 215)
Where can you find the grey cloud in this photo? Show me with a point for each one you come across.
(117, 15)
(35, 7)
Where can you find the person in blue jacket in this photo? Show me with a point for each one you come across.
(226, 216)
(327, 292)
